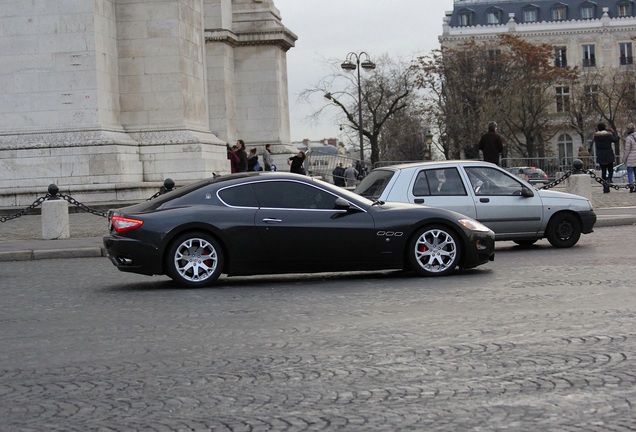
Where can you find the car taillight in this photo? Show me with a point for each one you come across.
(122, 224)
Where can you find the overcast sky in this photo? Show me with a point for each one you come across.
(330, 29)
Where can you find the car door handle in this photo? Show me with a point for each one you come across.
(484, 200)
(418, 200)
(272, 220)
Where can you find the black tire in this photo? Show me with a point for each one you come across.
(525, 243)
(434, 250)
(195, 260)
(564, 230)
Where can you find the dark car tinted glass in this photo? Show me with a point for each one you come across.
(239, 196)
(293, 195)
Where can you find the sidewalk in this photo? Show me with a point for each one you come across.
(21, 238)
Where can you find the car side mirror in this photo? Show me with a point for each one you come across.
(342, 204)
(526, 192)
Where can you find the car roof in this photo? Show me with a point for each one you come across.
(431, 164)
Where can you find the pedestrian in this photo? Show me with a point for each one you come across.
(491, 144)
(252, 161)
(584, 155)
(362, 171)
(268, 161)
(629, 155)
(242, 154)
(338, 175)
(351, 175)
(233, 157)
(296, 163)
(605, 157)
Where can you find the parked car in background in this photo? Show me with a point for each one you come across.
(270, 222)
(507, 204)
(620, 173)
(533, 175)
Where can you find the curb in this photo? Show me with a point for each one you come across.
(37, 254)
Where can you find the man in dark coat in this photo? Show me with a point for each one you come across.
(603, 139)
(338, 175)
(491, 144)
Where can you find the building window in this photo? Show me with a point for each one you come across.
(624, 8)
(587, 11)
(589, 56)
(560, 57)
(559, 13)
(530, 15)
(493, 16)
(631, 97)
(465, 18)
(566, 149)
(625, 53)
(591, 97)
(563, 99)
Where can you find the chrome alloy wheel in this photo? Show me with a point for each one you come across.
(436, 251)
(195, 259)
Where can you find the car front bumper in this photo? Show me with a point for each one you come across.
(481, 250)
(588, 219)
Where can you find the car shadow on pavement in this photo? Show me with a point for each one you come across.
(269, 281)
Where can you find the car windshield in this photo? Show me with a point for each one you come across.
(373, 184)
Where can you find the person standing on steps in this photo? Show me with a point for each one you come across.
(491, 144)
(605, 157)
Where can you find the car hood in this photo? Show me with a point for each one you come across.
(564, 197)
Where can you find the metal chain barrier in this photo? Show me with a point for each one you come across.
(557, 181)
(26, 210)
(168, 185)
(53, 193)
(594, 176)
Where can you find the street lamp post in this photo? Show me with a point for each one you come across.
(427, 146)
(349, 65)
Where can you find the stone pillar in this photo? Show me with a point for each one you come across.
(55, 223)
(579, 184)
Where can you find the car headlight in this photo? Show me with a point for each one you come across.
(473, 225)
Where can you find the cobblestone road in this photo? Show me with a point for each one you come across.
(540, 340)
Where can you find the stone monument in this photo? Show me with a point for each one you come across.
(107, 98)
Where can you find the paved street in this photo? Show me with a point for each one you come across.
(540, 339)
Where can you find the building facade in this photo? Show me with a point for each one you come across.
(590, 35)
(107, 97)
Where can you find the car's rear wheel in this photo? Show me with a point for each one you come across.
(434, 251)
(528, 242)
(195, 260)
(564, 230)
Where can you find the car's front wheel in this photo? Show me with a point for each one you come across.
(434, 251)
(195, 260)
(564, 230)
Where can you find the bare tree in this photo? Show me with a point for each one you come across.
(507, 79)
(384, 93)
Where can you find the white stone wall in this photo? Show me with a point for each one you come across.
(123, 92)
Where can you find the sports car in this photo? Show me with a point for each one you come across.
(274, 223)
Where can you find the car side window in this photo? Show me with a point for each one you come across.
(238, 196)
(441, 181)
(490, 181)
(293, 195)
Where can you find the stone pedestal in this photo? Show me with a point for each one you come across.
(579, 184)
(55, 223)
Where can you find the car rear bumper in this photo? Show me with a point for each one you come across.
(588, 219)
(134, 256)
